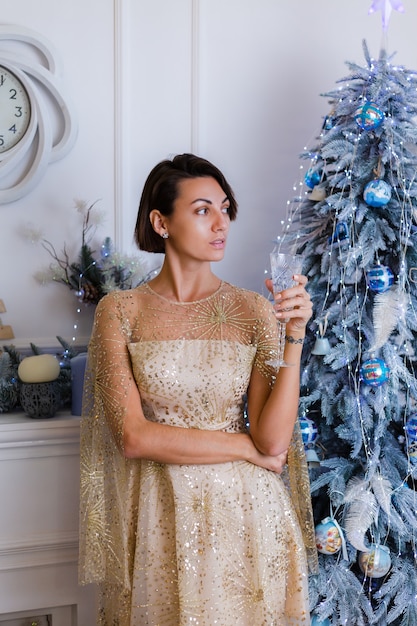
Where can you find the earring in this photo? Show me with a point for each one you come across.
(164, 235)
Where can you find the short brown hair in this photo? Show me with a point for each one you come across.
(161, 190)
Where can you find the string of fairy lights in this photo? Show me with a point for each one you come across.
(370, 279)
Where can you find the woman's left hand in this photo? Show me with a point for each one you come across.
(293, 305)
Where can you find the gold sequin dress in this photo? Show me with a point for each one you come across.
(182, 545)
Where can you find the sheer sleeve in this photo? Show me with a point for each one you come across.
(109, 482)
(267, 338)
(297, 477)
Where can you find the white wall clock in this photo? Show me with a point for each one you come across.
(37, 119)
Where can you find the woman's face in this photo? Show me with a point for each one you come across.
(199, 224)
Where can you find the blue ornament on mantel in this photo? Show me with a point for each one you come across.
(379, 278)
(312, 178)
(374, 372)
(368, 116)
(377, 193)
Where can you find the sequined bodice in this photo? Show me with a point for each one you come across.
(193, 383)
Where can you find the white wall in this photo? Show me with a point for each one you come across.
(82, 35)
(237, 81)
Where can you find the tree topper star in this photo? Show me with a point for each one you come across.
(386, 6)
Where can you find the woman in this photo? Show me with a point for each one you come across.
(185, 518)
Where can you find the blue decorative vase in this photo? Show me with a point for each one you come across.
(78, 364)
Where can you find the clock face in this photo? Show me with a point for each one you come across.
(14, 110)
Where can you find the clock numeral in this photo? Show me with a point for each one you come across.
(15, 110)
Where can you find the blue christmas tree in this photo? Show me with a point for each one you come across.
(355, 225)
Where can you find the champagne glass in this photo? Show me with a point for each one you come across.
(283, 268)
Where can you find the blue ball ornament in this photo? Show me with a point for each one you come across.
(377, 193)
(411, 428)
(368, 116)
(316, 621)
(309, 431)
(375, 563)
(374, 372)
(312, 178)
(328, 537)
(379, 278)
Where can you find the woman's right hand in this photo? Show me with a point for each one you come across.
(272, 463)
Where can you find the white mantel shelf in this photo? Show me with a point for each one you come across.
(18, 417)
(39, 492)
(60, 434)
(17, 430)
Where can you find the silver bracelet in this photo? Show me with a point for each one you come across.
(292, 340)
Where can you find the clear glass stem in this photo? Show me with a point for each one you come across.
(281, 341)
(279, 361)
